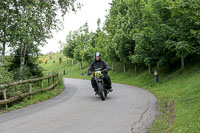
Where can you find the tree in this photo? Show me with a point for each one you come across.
(149, 32)
(6, 21)
(184, 28)
(31, 23)
(119, 28)
(70, 45)
(82, 40)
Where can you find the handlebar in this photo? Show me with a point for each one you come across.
(98, 69)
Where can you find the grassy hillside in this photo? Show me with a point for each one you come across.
(178, 92)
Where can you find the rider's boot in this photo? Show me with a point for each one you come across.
(110, 88)
(96, 91)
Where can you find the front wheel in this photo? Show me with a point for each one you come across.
(101, 91)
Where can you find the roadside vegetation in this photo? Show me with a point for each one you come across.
(24, 27)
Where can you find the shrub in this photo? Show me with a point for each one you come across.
(5, 76)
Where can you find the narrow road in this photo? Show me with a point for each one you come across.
(127, 109)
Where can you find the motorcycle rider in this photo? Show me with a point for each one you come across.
(98, 63)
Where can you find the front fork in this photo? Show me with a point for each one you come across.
(99, 80)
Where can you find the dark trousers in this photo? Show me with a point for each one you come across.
(106, 80)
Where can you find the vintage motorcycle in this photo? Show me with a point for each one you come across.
(102, 87)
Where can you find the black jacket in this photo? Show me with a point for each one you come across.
(99, 64)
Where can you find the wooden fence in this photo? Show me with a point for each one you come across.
(4, 88)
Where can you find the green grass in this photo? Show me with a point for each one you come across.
(179, 87)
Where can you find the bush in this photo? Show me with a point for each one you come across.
(60, 60)
(33, 71)
(31, 68)
(5, 76)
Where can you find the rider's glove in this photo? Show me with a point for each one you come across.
(104, 70)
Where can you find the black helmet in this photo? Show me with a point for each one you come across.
(97, 54)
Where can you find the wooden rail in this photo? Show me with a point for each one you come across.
(6, 87)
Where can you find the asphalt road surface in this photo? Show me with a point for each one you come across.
(127, 109)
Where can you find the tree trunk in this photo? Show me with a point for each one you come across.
(4, 42)
(3, 54)
(72, 61)
(135, 68)
(22, 58)
(124, 67)
(158, 65)
(113, 66)
(182, 62)
(149, 66)
(80, 65)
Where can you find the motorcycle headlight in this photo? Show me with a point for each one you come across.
(98, 73)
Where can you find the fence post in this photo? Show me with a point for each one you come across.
(41, 84)
(56, 81)
(53, 79)
(48, 82)
(30, 89)
(5, 97)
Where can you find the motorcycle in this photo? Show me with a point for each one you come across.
(102, 90)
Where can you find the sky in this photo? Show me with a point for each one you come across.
(89, 12)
